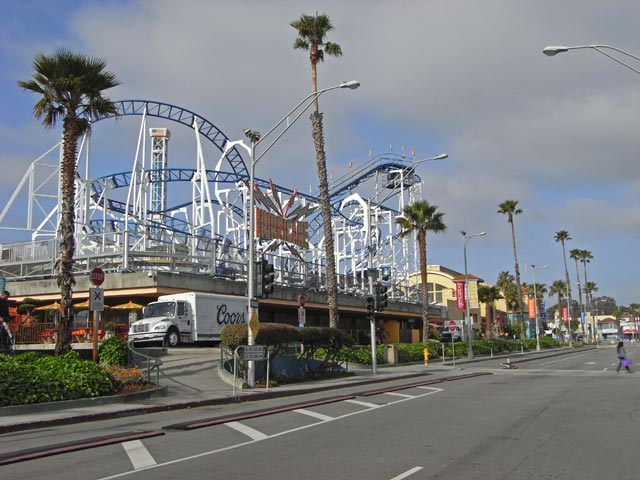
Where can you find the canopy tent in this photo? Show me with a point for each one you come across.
(51, 306)
(128, 306)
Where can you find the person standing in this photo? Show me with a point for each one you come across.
(622, 356)
(4, 306)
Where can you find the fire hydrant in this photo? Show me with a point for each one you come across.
(425, 352)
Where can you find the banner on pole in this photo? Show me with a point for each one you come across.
(460, 301)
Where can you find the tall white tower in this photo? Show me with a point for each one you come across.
(159, 161)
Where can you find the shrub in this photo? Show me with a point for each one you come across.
(35, 378)
(114, 351)
(126, 379)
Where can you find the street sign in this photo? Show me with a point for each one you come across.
(301, 301)
(302, 316)
(97, 276)
(254, 324)
(96, 299)
(253, 352)
(452, 326)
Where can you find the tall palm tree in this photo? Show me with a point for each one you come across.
(488, 294)
(505, 283)
(575, 255)
(70, 86)
(558, 287)
(419, 218)
(563, 236)
(510, 209)
(312, 31)
(586, 257)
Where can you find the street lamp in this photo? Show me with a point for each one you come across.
(465, 239)
(554, 50)
(535, 304)
(256, 139)
(409, 169)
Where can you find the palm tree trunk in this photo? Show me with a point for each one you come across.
(518, 286)
(568, 280)
(587, 294)
(313, 55)
(325, 207)
(422, 249)
(66, 232)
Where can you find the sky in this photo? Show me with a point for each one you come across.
(462, 77)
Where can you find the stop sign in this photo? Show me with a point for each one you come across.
(97, 276)
(452, 326)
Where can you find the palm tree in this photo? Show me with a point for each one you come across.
(70, 86)
(507, 288)
(586, 257)
(488, 294)
(422, 217)
(312, 31)
(563, 236)
(559, 288)
(510, 208)
(575, 255)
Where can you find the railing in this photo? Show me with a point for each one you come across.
(45, 334)
(151, 364)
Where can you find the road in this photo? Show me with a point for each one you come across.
(564, 417)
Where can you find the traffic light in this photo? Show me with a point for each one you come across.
(370, 307)
(268, 276)
(383, 298)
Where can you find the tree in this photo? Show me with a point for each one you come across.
(558, 288)
(575, 255)
(586, 257)
(510, 209)
(312, 31)
(70, 86)
(488, 295)
(419, 218)
(505, 283)
(563, 236)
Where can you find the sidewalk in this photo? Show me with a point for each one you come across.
(189, 378)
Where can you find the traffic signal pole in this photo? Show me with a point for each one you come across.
(372, 322)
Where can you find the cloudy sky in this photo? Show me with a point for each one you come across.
(465, 77)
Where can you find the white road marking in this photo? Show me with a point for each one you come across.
(403, 395)
(407, 473)
(372, 406)
(252, 433)
(563, 359)
(138, 454)
(319, 416)
(433, 389)
(364, 404)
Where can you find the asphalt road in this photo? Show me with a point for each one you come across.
(553, 418)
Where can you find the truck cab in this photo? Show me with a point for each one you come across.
(164, 321)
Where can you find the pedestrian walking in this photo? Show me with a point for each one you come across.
(622, 358)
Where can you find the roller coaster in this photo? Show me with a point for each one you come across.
(124, 222)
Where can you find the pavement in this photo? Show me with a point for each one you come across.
(190, 378)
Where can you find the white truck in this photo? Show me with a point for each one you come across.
(188, 318)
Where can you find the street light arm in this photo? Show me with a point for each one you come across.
(554, 50)
(310, 99)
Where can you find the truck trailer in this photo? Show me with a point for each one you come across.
(188, 318)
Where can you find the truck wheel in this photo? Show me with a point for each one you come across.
(173, 338)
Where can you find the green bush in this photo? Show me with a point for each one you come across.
(35, 378)
(114, 351)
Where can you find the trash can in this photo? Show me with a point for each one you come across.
(391, 354)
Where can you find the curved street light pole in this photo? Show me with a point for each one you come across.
(256, 138)
(535, 304)
(554, 50)
(465, 239)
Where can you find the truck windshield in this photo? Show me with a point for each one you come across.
(160, 309)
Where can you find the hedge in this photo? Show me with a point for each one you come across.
(35, 378)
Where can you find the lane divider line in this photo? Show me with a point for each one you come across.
(364, 404)
(257, 413)
(252, 433)
(46, 451)
(311, 413)
(138, 454)
(396, 394)
(407, 473)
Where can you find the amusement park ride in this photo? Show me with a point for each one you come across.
(125, 222)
